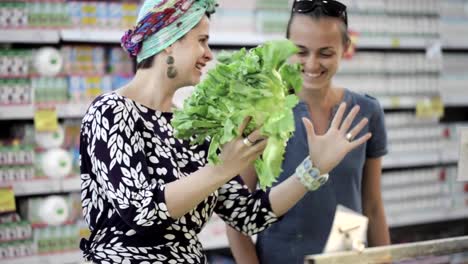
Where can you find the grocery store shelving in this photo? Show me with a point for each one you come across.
(428, 216)
(91, 35)
(395, 102)
(460, 100)
(39, 36)
(73, 257)
(399, 160)
(44, 186)
(77, 110)
(25, 112)
(52, 36)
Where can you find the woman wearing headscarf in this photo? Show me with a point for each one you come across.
(146, 195)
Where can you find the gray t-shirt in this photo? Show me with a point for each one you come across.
(305, 228)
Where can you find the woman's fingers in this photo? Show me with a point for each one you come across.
(259, 147)
(360, 140)
(309, 129)
(244, 124)
(255, 136)
(356, 129)
(349, 120)
(338, 116)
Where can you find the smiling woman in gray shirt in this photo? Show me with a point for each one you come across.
(319, 29)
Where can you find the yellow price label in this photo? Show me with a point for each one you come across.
(395, 101)
(46, 120)
(94, 80)
(93, 92)
(84, 232)
(89, 21)
(89, 9)
(7, 200)
(129, 7)
(396, 43)
(430, 108)
(438, 108)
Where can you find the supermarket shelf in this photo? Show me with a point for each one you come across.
(242, 39)
(458, 44)
(395, 102)
(426, 217)
(94, 36)
(20, 112)
(77, 110)
(44, 186)
(29, 36)
(402, 160)
(459, 100)
(394, 42)
(252, 39)
(216, 38)
(73, 257)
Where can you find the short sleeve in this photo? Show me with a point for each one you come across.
(377, 144)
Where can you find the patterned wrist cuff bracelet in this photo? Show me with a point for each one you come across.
(309, 175)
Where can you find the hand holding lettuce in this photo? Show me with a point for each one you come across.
(257, 83)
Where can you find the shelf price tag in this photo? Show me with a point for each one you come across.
(7, 200)
(395, 101)
(45, 120)
(396, 43)
(430, 108)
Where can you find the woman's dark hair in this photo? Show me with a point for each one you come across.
(317, 14)
(148, 62)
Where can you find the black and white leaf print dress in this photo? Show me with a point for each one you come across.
(128, 155)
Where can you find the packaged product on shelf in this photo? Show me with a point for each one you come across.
(129, 15)
(14, 231)
(115, 14)
(17, 249)
(49, 210)
(101, 14)
(14, 63)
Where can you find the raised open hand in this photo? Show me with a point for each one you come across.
(327, 150)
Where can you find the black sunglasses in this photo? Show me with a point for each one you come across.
(330, 7)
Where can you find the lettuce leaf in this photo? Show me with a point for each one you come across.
(258, 83)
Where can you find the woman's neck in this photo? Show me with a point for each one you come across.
(323, 99)
(151, 89)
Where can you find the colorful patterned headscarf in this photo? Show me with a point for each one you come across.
(160, 23)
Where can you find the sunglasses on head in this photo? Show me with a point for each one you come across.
(330, 7)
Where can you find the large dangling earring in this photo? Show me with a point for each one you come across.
(171, 70)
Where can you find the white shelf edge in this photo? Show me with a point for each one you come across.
(455, 100)
(77, 110)
(399, 160)
(42, 36)
(92, 35)
(44, 186)
(72, 257)
(24, 112)
(217, 38)
(394, 42)
(240, 39)
(395, 102)
(431, 216)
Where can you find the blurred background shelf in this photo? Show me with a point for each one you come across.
(73, 257)
(33, 36)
